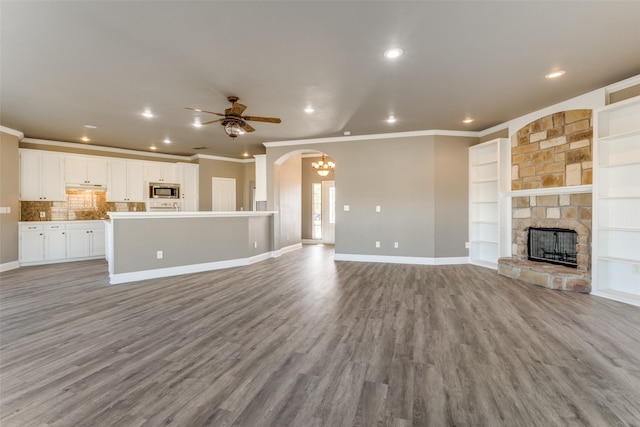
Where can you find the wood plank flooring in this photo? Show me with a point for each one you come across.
(302, 340)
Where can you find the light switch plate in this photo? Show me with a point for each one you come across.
(377, 208)
(346, 208)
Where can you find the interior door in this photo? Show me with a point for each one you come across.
(329, 212)
(223, 194)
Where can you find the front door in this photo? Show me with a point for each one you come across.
(329, 212)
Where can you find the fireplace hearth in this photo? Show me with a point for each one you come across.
(553, 245)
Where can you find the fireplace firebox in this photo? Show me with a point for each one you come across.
(553, 245)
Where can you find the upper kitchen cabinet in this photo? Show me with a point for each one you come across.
(126, 181)
(41, 176)
(85, 171)
(161, 172)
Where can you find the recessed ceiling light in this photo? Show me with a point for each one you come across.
(152, 148)
(91, 126)
(468, 120)
(148, 114)
(555, 74)
(197, 124)
(393, 53)
(309, 110)
(245, 154)
(167, 141)
(391, 119)
(85, 139)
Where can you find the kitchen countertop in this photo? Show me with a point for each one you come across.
(199, 214)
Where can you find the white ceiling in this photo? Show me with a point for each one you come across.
(68, 64)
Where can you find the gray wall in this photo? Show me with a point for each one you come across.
(9, 191)
(420, 183)
(210, 168)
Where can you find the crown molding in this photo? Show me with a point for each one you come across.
(496, 128)
(631, 81)
(13, 132)
(224, 159)
(435, 132)
(103, 149)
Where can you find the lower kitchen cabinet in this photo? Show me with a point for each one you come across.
(48, 242)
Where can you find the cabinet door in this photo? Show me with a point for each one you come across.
(78, 243)
(52, 178)
(153, 171)
(169, 173)
(188, 174)
(96, 172)
(31, 246)
(136, 185)
(75, 170)
(29, 175)
(55, 245)
(117, 187)
(97, 242)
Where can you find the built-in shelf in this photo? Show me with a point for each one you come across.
(486, 174)
(616, 213)
(575, 189)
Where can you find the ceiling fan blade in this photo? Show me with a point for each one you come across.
(204, 111)
(246, 127)
(237, 108)
(262, 119)
(211, 121)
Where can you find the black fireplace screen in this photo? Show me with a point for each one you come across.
(554, 245)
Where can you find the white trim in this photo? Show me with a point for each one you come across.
(13, 132)
(496, 128)
(224, 159)
(288, 249)
(486, 264)
(434, 132)
(60, 261)
(624, 84)
(134, 276)
(401, 259)
(12, 265)
(573, 189)
(312, 242)
(78, 146)
(617, 296)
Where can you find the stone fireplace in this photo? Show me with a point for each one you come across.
(551, 177)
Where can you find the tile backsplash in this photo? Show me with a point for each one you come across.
(79, 205)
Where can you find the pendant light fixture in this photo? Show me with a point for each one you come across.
(323, 167)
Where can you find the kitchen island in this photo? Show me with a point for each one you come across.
(146, 245)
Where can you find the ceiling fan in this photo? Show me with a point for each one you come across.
(233, 121)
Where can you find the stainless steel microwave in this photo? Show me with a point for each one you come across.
(160, 190)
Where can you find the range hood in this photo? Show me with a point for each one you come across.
(92, 187)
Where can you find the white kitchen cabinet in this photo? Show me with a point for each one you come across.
(85, 170)
(59, 241)
(42, 243)
(126, 181)
(41, 176)
(189, 189)
(161, 172)
(616, 202)
(85, 239)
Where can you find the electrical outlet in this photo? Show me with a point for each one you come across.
(377, 244)
(466, 245)
(43, 214)
(346, 208)
(377, 208)
(395, 245)
(159, 254)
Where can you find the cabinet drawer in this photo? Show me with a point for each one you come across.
(85, 225)
(31, 227)
(53, 227)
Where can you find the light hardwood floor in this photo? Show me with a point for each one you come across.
(302, 340)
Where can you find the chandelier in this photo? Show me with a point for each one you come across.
(322, 167)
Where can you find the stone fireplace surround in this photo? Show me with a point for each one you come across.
(549, 156)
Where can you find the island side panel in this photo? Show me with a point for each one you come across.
(183, 241)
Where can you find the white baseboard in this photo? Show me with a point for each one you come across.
(9, 266)
(401, 259)
(134, 276)
(286, 249)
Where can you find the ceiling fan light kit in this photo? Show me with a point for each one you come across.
(323, 167)
(232, 120)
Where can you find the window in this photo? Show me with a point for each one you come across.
(316, 215)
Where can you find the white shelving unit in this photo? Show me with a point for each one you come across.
(485, 174)
(616, 238)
